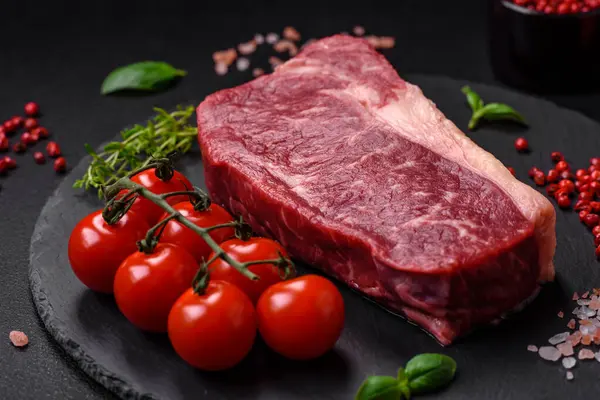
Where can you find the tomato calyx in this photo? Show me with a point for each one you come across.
(243, 231)
(164, 168)
(117, 206)
(148, 244)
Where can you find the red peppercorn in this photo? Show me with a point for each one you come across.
(585, 179)
(32, 109)
(4, 143)
(512, 171)
(19, 147)
(39, 158)
(552, 176)
(521, 144)
(562, 166)
(9, 126)
(583, 214)
(585, 187)
(60, 164)
(581, 204)
(596, 238)
(540, 178)
(41, 132)
(3, 167)
(551, 189)
(30, 123)
(53, 149)
(593, 168)
(532, 171)
(596, 230)
(2, 130)
(563, 8)
(595, 206)
(595, 175)
(27, 139)
(557, 156)
(586, 196)
(598, 251)
(11, 163)
(594, 161)
(595, 186)
(591, 220)
(568, 185)
(17, 120)
(567, 175)
(564, 201)
(580, 172)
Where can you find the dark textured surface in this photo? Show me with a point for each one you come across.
(139, 365)
(57, 53)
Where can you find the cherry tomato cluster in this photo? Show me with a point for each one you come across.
(212, 329)
(32, 134)
(559, 6)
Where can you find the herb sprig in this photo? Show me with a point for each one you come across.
(490, 112)
(163, 134)
(423, 374)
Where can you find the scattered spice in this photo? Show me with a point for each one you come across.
(18, 338)
(39, 158)
(566, 349)
(532, 348)
(247, 48)
(286, 45)
(31, 109)
(60, 164)
(221, 68)
(381, 42)
(559, 6)
(569, 376)
(561, 314)
(256, 72)
(226, 57)
(259, 39)
(242, 64)
(569, 362)
(358, 30)
(290, 33)
(275, 61)
(571, 324)
(271, 38)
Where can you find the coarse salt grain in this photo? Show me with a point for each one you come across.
(585, 354)
(561, 314)
(566, 349)
(559, 338)
(18, 338)
(290, 33)
(272, 38)
(274, 61)
(575, 296)
(585, 295)
(226, 57)
(571, 324)
(286, 45)
(586, 340)
(594, 305)
(569, 362)
(221, 68)
(597, 356)
(358, 30)
(570, 376)
(256, 72)
(242, 64)
(247, 48)
(549, 353)
(532, 348)
(584, 302)
(259, 39)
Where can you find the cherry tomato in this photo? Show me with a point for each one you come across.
(213, 331)
(301, 318)
(250, 250)
(147, 285)
(96, 249)
(178, 234)
(150, 181)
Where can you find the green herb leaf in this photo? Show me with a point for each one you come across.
(380, 388)
(145, 76)
(473, 98)
(429, 372)
(163, 134)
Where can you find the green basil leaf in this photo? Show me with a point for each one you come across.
(113, 146)
(379, 388)
(89, 150)
(474, 100)
(145, 75)
(429, 372)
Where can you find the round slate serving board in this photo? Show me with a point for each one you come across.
(493, 362)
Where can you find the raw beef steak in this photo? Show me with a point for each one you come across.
(354, 171)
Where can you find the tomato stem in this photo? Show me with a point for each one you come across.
(201, 280)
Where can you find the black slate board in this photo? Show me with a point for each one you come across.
(493, 361)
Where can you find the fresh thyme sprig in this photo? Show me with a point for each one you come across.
(163, 134)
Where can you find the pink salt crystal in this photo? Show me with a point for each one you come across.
(221, 68)
(290, 33)
(575, 296)
(257, 72)
(18, 338)
(242, 64)
(272, 38)
(566, 349)
(549, 353)
(532, 348)
(570, 376)
(226, 57)
(247, 48)
(561, 314)
(585, 354)
(596, 292)
(597, 356)
(586, 340)
(571, 324)
(585, 295)
(358, 30)
(575, 338)
(594, 305)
